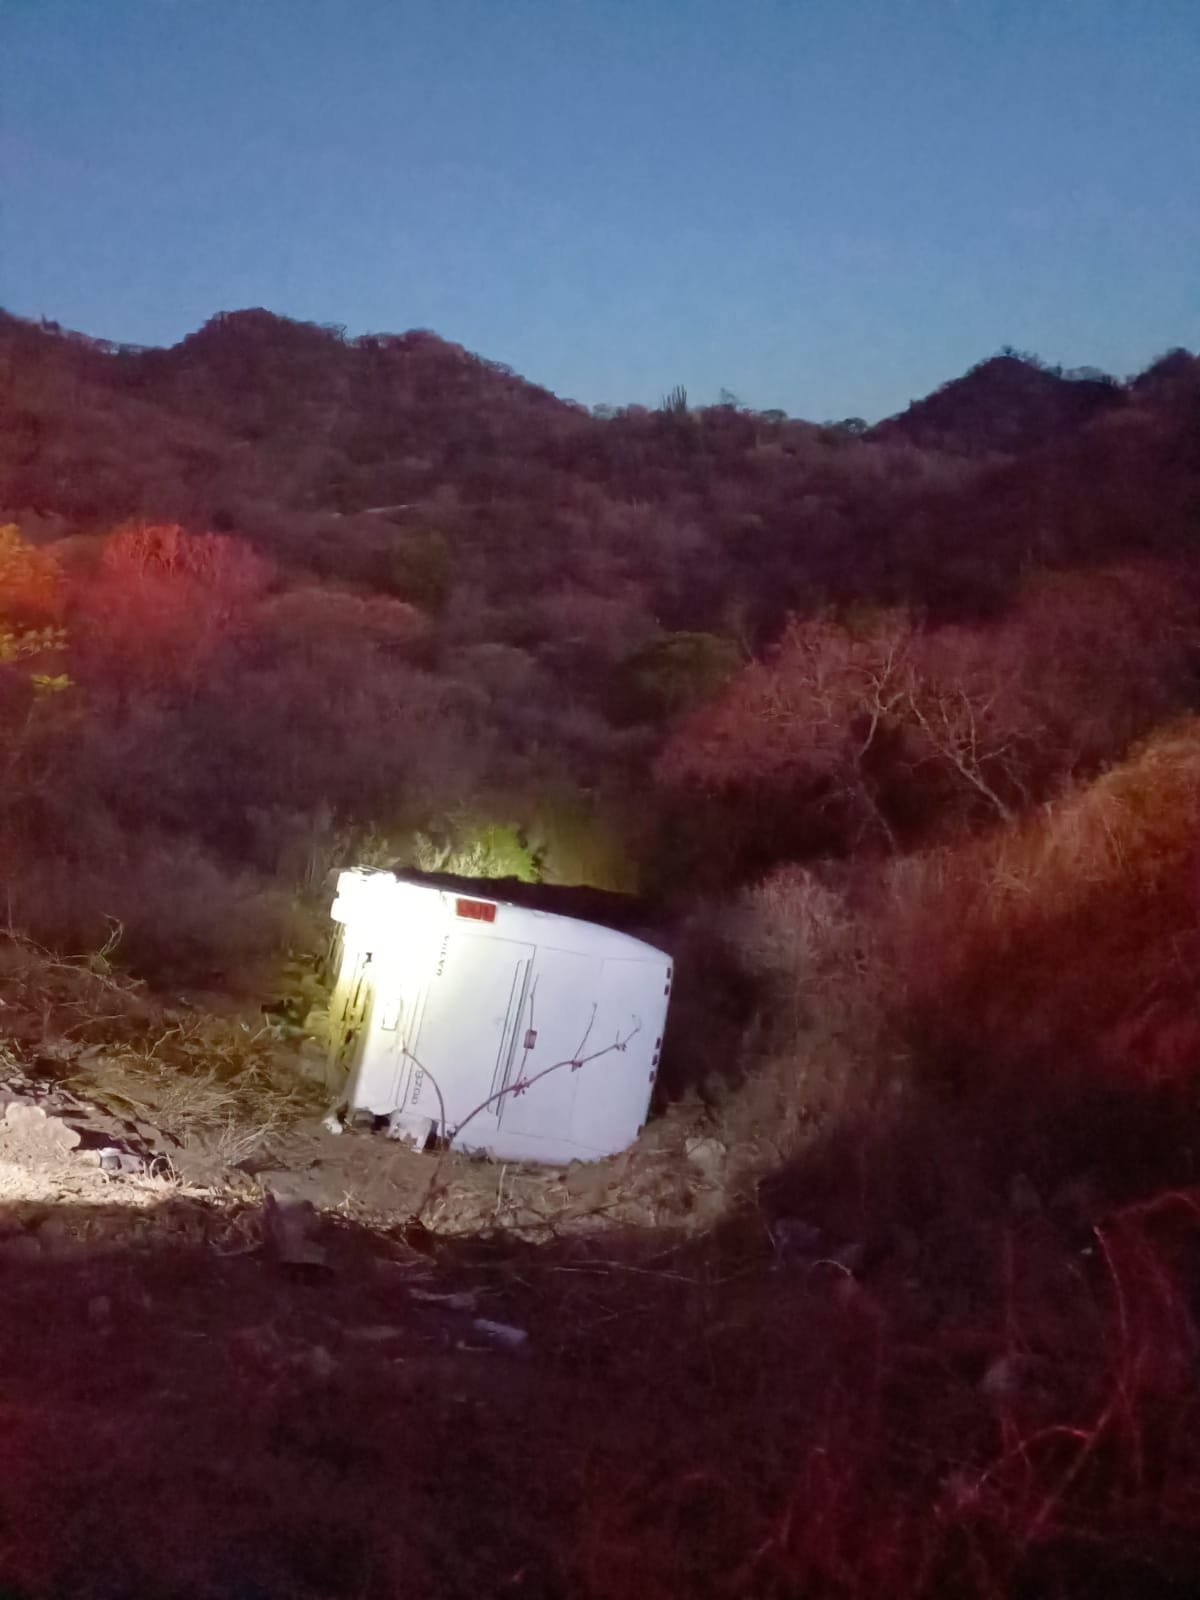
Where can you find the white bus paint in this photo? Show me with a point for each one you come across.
(523, 1034)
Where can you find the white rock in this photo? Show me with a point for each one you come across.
(288, 1224)
(708, 1155)
(1002, 1378)
(456, 1300)
(501, 1333)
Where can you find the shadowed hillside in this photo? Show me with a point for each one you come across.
(890, 738)
(1003, 406)
(407, 464)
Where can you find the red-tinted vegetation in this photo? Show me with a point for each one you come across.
(895, 730)
(1008, 404)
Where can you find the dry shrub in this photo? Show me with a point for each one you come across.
(1024, 1424)
(1046, 973)
(179, 915)
(312, 624)
(1068, 940)
(590, 839)
(798, 932)
(163, 604)
(31, 580)
(875, 728)
(813, 1049)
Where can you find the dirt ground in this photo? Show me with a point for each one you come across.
(242, 1357)
(187, 1412)
(284, 1382)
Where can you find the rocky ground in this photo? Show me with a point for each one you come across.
(242, 1357)
(201, 1096)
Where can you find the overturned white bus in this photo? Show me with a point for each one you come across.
(520, 1033)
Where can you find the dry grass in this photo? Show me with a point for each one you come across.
(1018, 1419)
(180, 916)
(814, 1046)
(980, 1379)
(1072, 939)
(696, 1420)
(1059, 953)
(1037, 986)
(210, 1087)
(217, 1092)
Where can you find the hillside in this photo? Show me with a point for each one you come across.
(285, 410)
(1003, 406)
(551, 590)
(362, 458)
(892, 741)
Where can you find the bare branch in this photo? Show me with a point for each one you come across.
(519, 1086)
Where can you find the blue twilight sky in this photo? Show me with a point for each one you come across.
(825, 205)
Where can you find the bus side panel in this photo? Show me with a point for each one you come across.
(380, 1082)
(613, 1097)
(460, 1043)
(556, 1027)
